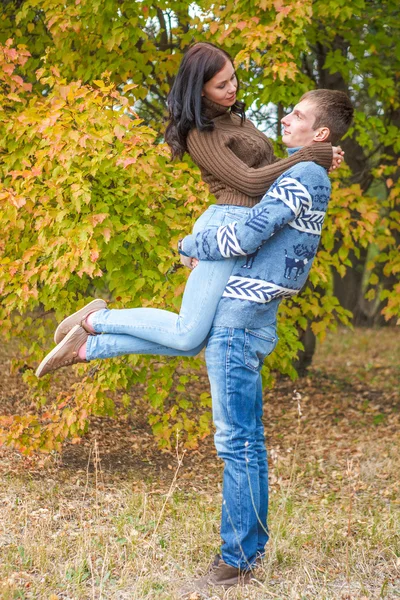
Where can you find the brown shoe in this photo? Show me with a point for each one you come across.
(219, 575)
(65, 354)
(77, 318)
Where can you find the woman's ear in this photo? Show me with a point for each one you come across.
(322, 134)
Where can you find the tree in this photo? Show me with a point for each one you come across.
(360, 56)
(87, 187)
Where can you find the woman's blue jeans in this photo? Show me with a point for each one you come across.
(184, 332)
(234, 359)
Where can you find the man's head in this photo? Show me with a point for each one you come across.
(320, 116)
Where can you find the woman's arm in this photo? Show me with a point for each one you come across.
(210, 150)
(285, 202)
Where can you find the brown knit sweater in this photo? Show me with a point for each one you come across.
(238, 162)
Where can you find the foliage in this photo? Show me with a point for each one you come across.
(92, 206)
(384, 265)
(87, 199)
(131, 40)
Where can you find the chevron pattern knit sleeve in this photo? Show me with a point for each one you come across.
(210, 150)
(284, 203)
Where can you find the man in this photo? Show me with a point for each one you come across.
(275, 246)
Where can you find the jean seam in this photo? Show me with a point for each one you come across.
(260, 336)
(247, 345)
(247, 361)
(90, 341)
(94, 319)
(94, 340)
(229, 412)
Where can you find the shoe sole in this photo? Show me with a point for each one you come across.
(94, 305)
(53, 352)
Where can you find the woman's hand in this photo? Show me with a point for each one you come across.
(337, 158)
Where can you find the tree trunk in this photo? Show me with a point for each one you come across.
(348, 288)
(304, 357)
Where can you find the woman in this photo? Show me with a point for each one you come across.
(237, 162)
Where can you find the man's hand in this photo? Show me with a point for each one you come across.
(189, 262)
(337, 158)
(186, 261)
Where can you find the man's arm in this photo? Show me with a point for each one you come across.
(284, 202)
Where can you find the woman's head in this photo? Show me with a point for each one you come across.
(205, 71)
(222, 87)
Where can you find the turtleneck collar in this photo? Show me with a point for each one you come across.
(291, 151)
(211, 109)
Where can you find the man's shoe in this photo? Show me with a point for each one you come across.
(77, 318)
(219, 575)
(65, 353)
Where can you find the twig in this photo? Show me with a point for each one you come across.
(168, 496)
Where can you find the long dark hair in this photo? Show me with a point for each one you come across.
(201, 62)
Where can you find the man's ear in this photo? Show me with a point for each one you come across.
(321, 134)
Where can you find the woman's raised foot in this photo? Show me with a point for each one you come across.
(79, 318)
(68, 352)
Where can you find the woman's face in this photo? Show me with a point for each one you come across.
(222, 87)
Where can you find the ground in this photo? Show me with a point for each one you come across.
(114, 518)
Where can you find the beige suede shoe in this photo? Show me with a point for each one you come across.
(77, 318)
(218, 576)
(65, 353)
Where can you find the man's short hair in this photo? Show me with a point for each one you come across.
(333, 109)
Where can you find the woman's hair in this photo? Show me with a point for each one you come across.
(201, 62)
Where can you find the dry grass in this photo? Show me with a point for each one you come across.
(91, 529)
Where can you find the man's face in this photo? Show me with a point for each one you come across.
(298, 126)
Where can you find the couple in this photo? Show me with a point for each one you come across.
(252, 248)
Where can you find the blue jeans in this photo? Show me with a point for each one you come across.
(234, 359)
(184, 332)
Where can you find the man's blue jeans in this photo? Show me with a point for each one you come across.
(234, 359)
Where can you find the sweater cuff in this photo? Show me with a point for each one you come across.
(322, 154)
(189, 246)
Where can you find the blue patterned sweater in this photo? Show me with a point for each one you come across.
(274, 247)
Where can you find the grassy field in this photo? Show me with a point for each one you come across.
(114, 518)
